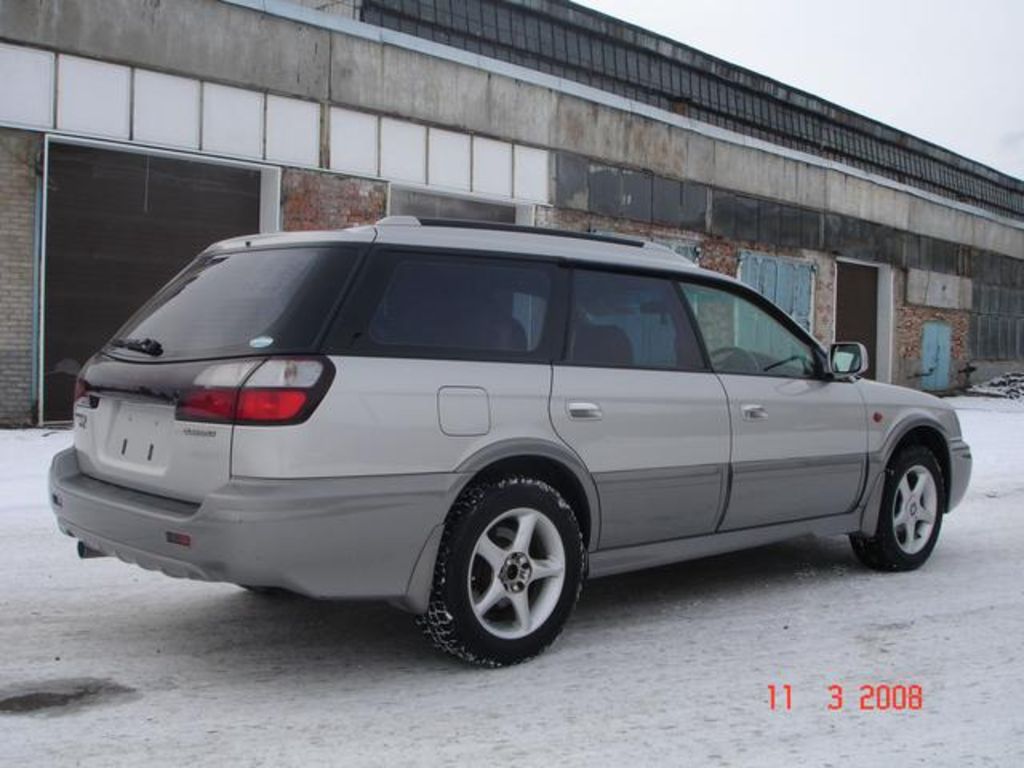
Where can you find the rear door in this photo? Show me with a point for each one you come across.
(799, 446)
(208, 328)
(634, 400)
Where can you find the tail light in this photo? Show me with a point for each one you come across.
(274, 391)
(83, 393)
(81, 388)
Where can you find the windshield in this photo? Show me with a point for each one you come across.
(224, 304)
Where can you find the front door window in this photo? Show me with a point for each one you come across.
(743, 338)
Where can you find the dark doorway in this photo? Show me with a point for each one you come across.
(857, 308)
(119, 225)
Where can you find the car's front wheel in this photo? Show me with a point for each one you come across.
(913, 503)
(508, 572)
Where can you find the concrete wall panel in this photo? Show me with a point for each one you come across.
(205, 39)
(532, 111)
(232, 121)
(293, 131)
(449, 160)
(165, 110)
(354, 138)
(93, 97)
(532, 174)
(403, 151)
(937, 289)
(492, 167)
(26, 86)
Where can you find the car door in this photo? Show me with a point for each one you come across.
(799, 441)
(634, 399)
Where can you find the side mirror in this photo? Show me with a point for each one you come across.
(848, 359)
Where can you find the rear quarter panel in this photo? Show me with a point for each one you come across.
(383, 416)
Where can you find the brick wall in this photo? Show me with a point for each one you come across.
(19, 154)
(824, 323)
(312, 200)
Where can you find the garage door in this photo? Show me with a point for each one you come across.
(118, 226)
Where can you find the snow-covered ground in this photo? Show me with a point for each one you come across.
(665, 667)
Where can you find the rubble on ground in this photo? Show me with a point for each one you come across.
(1010, 385)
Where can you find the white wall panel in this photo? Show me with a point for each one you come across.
(26, 86)
(531, 174)
(93, 97)
(403, 151)
(353, 142)
(492, 167)
(293, 131)
(449, 160)
(232, 121)
(165, 110)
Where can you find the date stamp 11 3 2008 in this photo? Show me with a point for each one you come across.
(867, 697)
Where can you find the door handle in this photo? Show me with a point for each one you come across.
(754, 412)
(581, 410)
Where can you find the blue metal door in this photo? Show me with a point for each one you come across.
(783, 281)
(935, 353)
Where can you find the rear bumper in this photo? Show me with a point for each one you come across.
(960, 462)
(360, 537)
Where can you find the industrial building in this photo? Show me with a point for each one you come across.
(135, 132)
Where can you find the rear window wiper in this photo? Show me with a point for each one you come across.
(150, 347)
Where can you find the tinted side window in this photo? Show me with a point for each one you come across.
(741, 337)
(440, 305)
(627, 321)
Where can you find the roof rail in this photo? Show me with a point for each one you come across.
(411, 221)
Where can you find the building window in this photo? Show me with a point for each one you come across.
(430, 205)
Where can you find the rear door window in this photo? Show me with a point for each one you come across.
(433, 304)
(630, 321)
(244, 302)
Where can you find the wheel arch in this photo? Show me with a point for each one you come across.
(917, 430)
(929, 434)
(545, 461)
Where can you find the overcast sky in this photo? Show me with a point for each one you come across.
(950, 71)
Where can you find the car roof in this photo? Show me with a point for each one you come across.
(610, 250)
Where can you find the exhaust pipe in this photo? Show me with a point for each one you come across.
(85, 552)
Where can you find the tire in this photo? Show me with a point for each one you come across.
(910, 517)
(494, 601)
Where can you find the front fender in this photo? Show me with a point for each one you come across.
(882, 453)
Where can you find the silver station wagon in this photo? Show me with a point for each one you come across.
(469, 420)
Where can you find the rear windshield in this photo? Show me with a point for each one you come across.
(244, 302)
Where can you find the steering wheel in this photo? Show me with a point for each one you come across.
(734, 360)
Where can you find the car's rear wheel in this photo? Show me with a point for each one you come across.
(508, 572)
(909, 520)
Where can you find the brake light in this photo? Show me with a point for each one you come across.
(207, 404)
(263, 405)
(274, 391)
